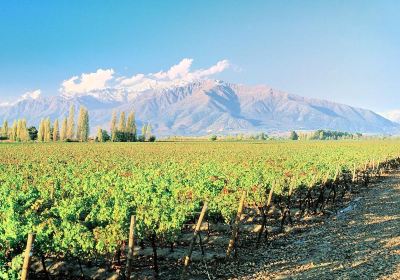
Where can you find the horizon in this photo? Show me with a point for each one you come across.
(336, 51)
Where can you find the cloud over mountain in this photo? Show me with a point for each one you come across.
(87, 82)
(105, 78)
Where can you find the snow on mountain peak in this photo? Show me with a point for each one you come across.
(393, 115)
(104, 85)
(31, 95)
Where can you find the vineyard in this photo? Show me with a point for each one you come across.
(78, 198)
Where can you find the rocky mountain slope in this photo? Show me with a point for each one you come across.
(205, 107)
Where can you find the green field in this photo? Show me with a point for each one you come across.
(78, 197)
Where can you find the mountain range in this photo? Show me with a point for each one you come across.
(205, 107)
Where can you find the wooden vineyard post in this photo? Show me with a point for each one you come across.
(271, 192)
(336, 174)
(378, 169)
(354, 173)
(365, 174)
(373, 168)
(335, 184)
(264, 221)
(235, 228)
(27, 257)
(131, 247)
(186, 259)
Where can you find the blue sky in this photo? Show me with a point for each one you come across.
(344, 51)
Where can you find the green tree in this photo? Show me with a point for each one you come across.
(262, 136)
(102, 135)
(33, 133)
(293, 136)
(106, 137)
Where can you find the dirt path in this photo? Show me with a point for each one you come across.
(363, 243)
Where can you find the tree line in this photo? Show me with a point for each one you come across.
(124, 129)
(321, 134)
(70, 131)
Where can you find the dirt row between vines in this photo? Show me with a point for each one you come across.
(361, 242)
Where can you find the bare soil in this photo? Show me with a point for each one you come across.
(362, 242)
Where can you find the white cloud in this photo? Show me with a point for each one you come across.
(215, 69)
(87, 82)
(92, 83)
(31, 95)
(180, 70)
(178, 74)
(132, 80)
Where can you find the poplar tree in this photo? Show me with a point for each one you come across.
(64, 128)
(148, 132)
(113, 126)
(24, 131)
(122, 123)
(13, 133)
(144, 131)
(4, 129)
(41, 131)
(80, 123)
(55, 131)
(19, 131)
(131, 126)
(99, 135)
(47, 130)
(83, 125)
(71, 123)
